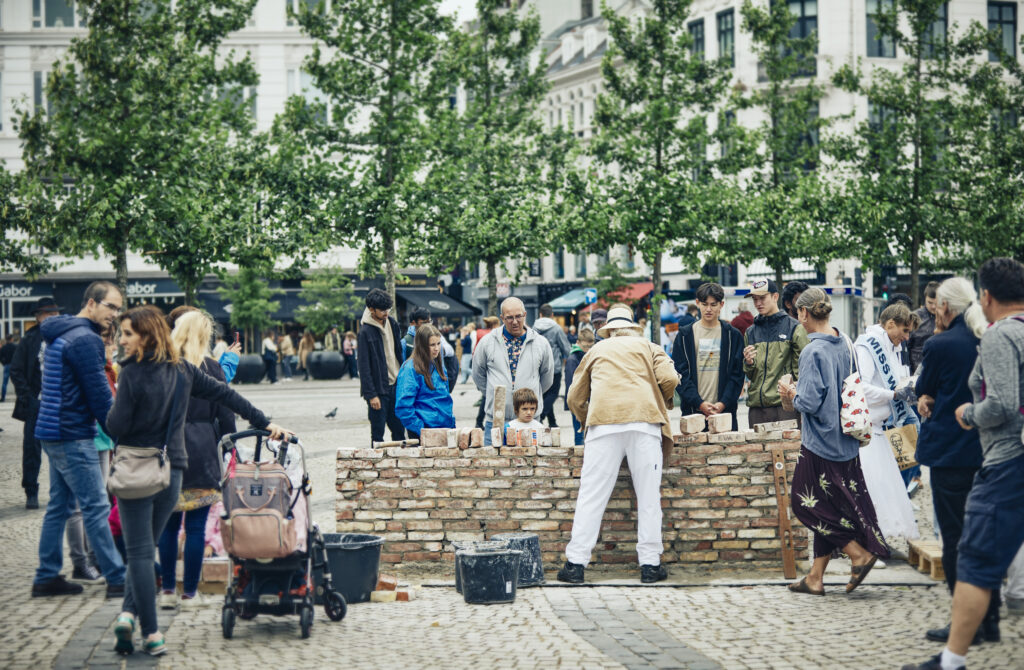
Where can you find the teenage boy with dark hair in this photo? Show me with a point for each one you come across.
(790, 292)
(708, 355)
(380, 356)
(994, 520)
(773, 349)
(927, 328)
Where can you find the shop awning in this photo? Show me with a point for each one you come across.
(628, 294)
(438, 303)
(568, 301)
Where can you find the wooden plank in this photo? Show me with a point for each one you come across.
(782, 500)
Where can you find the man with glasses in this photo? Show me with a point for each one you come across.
(380, 356)
(75, 396)
(513, 356)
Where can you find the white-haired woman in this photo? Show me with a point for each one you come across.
(205, 423)
(952, 453)
(621, 392)
(890, 406)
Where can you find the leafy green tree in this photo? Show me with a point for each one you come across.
(902, 170)
(252, 303)
(18, 234)
(142, 120)
(493, 164)
(611, 280)
(329, 300)
(360, 124)
(657, 188)
(784, 218)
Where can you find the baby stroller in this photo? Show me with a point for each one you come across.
(273, 545)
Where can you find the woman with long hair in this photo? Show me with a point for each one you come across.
(349, 348)
(890, 405)
(205, 423)
(829, 495)
(306, 346)
(422, 399)
(153, 377)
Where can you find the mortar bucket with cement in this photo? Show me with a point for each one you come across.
(354, 560)
(489, 576)
(462, 545)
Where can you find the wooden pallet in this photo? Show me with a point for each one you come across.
(926, 556)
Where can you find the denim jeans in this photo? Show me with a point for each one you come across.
(488, 426)
(195, 542)
(286, 366)
(31, 455)
(7, 378)
(75, 474)
(142, 522)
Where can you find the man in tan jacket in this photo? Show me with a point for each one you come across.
(621, 393)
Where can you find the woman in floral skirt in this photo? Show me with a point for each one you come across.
(829, 494)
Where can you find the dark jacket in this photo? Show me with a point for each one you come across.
(7, 353)
(75, 393)
(730, 370)
(947, 361)
(145, 394)
(572, 361)
(778, 339)
(373, 365)
(27, 375)
(915, 345)
(205, 424)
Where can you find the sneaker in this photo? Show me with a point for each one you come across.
(649, 574)
(913, 487)
(571, 573)
(58, 586)
(155, 647)
(115, 591)
(168, 600)
(32, 501)
(942, 635)
(124, 628)
(86, 573)
(191, 602)
(933, 663)
(1015, 606)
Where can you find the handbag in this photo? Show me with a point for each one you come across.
(853, 413)
(139, 472)
(903, 442)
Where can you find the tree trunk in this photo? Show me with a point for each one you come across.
(656, 306)
(121, 270)
(389, 268)
(492, 288)
(915, 269)
(778, 278)
(190, 292)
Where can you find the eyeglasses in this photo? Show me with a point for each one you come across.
(111, 306)
(515, 317)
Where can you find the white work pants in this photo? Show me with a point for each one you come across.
(602, 457)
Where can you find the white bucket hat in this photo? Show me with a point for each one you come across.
(618, 317)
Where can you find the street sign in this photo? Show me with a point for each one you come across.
(589, 296)
(503, 289)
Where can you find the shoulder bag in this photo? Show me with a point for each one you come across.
(139, 472)
(853, 413)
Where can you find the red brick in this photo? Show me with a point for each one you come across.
(413, 556)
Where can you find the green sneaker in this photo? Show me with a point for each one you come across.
(155, 647)
(124, 628)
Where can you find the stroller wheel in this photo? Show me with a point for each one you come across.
(306, 620)
(227, 622)
(335, 606)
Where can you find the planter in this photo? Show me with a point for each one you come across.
(325, 365)
(250, 369)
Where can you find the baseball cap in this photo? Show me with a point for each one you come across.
(763, 287)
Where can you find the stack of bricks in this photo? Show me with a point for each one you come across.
(718, 497)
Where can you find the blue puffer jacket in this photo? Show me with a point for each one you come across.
(75, 392)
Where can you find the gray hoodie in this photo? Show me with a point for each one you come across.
(997, 384)
(555, 336)
(491, 368)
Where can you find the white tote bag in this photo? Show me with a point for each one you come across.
(853, 415)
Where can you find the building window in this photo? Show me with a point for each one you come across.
(806, 14)
(696, 29)
(1, 96)
(581, 264)
(54, 14)
(810, 138)
(39, 92)
(582, 122)
(242, 96)
(300, 82)
(934, 37)
(629, 258)
(586, 9)
(295, 7)
(728, 122)
(1002, 18)
(879, 46)
(560, 263)
(535, 267)
(727, 36)
(880, 118)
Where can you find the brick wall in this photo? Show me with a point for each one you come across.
(718, 496)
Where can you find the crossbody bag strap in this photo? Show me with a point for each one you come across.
(179, 389)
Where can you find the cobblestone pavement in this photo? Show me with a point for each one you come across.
(696, 620)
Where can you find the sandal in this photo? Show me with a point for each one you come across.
(155, 647)
(858, 573)
(802, 587)
(124, 628)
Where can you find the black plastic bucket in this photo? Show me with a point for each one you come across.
(479, 545)
(531, 567)
(354, 560)
(489, 577)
